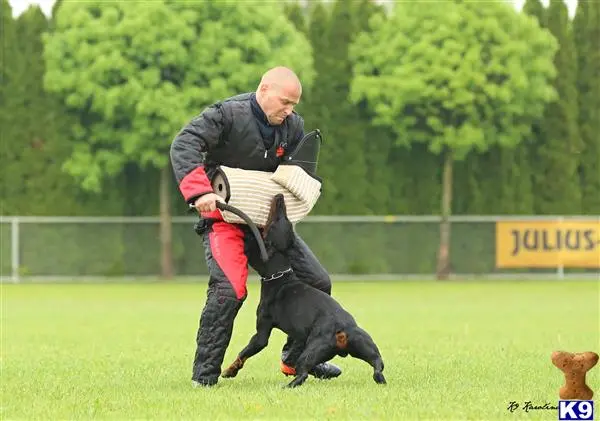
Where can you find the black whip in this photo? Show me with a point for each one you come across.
(261, 244)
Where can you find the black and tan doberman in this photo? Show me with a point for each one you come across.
(303, 312)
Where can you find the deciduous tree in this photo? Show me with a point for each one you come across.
(136, 72)
(459, 77)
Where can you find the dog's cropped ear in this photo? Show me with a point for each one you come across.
(276, 210)
(278, 231)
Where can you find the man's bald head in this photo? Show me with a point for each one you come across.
(278, 92)
(281, 76)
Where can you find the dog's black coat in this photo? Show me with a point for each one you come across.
(303, 312)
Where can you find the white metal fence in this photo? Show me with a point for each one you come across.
(81, 248)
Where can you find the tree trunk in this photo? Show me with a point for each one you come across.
(443, 263)
(166, 241)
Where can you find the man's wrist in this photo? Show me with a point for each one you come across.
(192, 200)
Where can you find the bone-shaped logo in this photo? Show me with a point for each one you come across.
(575, 366)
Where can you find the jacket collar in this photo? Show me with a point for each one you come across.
(257, 111)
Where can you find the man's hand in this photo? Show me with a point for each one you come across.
(207, 202)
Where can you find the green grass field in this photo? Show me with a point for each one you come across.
(457, 350)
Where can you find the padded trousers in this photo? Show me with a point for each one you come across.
(229, 250)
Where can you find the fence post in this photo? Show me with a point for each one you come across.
(560, 270)
(14, 246)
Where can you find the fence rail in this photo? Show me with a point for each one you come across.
(308, 219)
(376, 247)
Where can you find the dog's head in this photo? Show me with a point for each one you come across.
(279, 232)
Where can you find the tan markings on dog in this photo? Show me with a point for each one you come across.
(341, 340)
(239, 363)
(233, 369)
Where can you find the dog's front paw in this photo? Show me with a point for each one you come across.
(233, 369)
(379, 378)
(229, 372)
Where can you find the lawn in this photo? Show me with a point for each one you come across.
(456, 350)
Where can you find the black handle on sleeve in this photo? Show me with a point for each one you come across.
(261, 244)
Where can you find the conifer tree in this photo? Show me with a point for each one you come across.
(557, 156)
(37, 140)
(344, 139)
(586, 29)
(536, 9)
(295, 12)
(381, 171)
(8, 97)
(315, 107)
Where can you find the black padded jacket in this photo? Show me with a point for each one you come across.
(235, 133)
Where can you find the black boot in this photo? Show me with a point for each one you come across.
(325, 371)
(204, 383)
(289, 355)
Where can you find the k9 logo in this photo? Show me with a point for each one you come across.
(575, 410)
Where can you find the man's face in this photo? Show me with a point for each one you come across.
(280, 101)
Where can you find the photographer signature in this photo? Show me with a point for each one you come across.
(528, 406)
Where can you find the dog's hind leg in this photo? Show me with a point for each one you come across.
(317, 350)
(361, 346)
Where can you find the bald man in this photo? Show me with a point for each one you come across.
(252, 131)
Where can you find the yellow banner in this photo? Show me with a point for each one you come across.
(548, 244)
